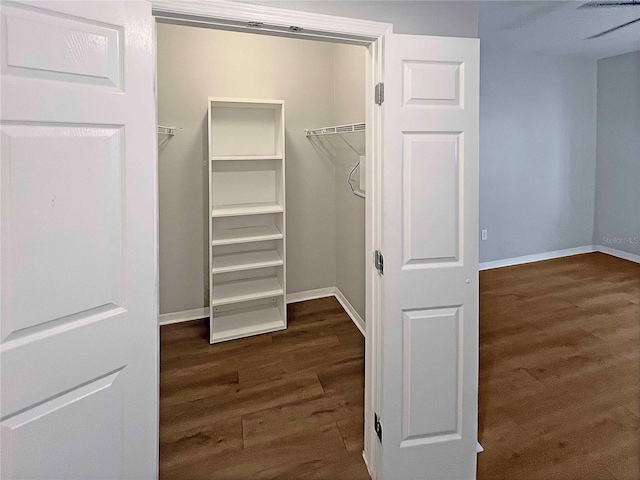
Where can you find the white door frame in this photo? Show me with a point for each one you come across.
(228, 15)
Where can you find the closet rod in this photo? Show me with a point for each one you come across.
(162, 130)
(352, 127)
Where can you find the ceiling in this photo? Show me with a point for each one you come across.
(558, 28)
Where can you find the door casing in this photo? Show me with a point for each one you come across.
(259, 19)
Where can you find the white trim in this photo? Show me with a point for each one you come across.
(310, 294)
(507, 262)
(330, 292)
(357, 319)
(199, 313)
(366, 464)
(479, 448)
(183, 316)
(236, 16)
(618, 253)
(373, 242)
(276, 21)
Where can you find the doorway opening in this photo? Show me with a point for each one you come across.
(315, 167)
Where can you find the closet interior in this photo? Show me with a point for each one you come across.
(261, 177)
(261, 144)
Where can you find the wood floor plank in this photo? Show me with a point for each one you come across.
(242, 400)
(282, 421)
(193, 351)
(611, 439)
(519, 383)
(523, 353)
(180, 447)
(347, 375)
(350, 467)
(559, 392)
(573, 373)
(196, 382)
(352, 431)
(573, 326)
(498, 431)
(310, 359)
(290, 458)
(255, 408)
(540, 459)
(634, 407)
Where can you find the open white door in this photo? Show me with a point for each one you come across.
(429, 241)
(78, 332)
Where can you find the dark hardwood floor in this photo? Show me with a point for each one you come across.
(559, 370)
(286, 405)
(559, 384)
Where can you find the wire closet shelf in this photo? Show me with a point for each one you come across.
(339, 130)
(162, 130)
(350, 128)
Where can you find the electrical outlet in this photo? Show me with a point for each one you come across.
(483, 234)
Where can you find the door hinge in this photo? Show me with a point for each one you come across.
(379, 93)
(379, 262)
(377, 426)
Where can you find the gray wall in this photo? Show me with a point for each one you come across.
(617, 211)
(537, 152)
(195, 63)
(444, 18)
(187, 75)
(349, 107)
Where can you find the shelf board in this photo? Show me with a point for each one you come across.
(233, 236)
(234, 158)
(245, 290)
(242, 323)
(245, 209)
(237, 262)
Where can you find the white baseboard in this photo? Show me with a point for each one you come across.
(311, 294)
(618, 253)
(198, 313)
(357, 319)
(507, 262)
(183, 316)
(330, 292)
(366, 464)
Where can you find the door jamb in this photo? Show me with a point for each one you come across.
(228, 15)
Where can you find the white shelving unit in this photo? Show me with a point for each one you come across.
(237, 262)
(217, 158)
(233, 236)
(247, 226)
(244, 209)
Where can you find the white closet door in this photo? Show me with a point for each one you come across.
(79, 346)
(430, 246)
